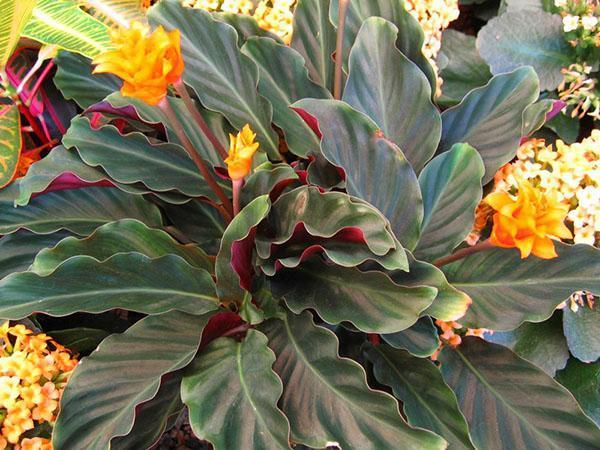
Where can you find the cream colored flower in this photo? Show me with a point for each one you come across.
(589, 22)
(570, 23)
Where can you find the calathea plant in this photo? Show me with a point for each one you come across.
(268, 282)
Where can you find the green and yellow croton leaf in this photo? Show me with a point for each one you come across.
(15, 14)
(10, 142)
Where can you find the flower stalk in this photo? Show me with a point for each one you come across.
(237, 192)
(463, 253)
(339, 48)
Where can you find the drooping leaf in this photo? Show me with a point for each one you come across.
(154, 416)
(18, 250)
(410, 38)
(347, 230)
(583, 381)
(582, 330)
(283, 80)
(507, 291)
(510, 403)
(371, 301)
(449, 304)
(236, 250)
(542, 344)
(451, 189)
(10, 142)
(490, 118)
(314, 38)
(80, 211)
(155, 116)
(390, 89)
(64, 24)
(75, 81)
(80, 339)
(527, 38)
(376, 169)
(461, 67)
(326, 398)
(427, 400)
(123, 236)
(232, 393)
(15, 14)
(224, 79)
(128, 281)
(101, 397)
(131, 158)
(420, 340)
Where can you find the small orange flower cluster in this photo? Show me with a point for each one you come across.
(33, 373)
(146, 62)
(451, 338)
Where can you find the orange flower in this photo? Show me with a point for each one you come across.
(529, 221)
(146, 62)
(35, 443)
(241, 151)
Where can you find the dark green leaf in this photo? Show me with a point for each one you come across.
(583, 381)
(582, 330)
(371, 301)
(75, 81)
(224, 79)
(337, 405)
(283, 80)
(510, 403)
(451, 189)
(123, 236)
(80, 211)
(427, 400)
(128, 281)
(376, 169)
(18, 250)
(565, 126)
(461, 67)
(507, 290)
(232, 393)
(264, 178)
(79, 340)
(101, 397)
(490, 118)
(420, 340)
(527, 38)
(314, 38)
(542, 344)
(390, 89)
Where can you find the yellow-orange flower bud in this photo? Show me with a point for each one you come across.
(146, 62)
(528, 221)
(241, 151)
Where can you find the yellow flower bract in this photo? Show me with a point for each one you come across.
(241, 151)
(146, 62)
(33, 372)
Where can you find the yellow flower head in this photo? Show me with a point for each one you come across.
(529, 221)
(146, 62)
(241, 151)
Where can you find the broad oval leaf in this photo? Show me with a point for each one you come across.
(18, 250)
(15, 14)
(490, 118)
(376, 169)
(507, 290)
(326, 397)
(100, 400)
(283, 80)
(232, 392)
(76, 82)
(390, 89)
(451, 189)
(224, 79)
(123, 236)
(314, 38)
(131, 158)
(128, 281)
(80, 211)
(510, 403)
(527, 38)
(583, 381)
(419, 340)
(411, 36)
(371, 301)
(10, 141)
(582, 330)
(427, 400)
(64, 24)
